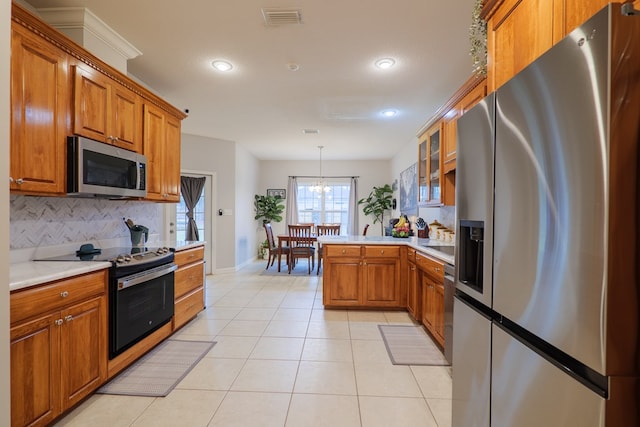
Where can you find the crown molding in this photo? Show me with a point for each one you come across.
(81, 18)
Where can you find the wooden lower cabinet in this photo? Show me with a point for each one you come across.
(431, 274)
(342, 278)
(433, 308)
(189, 285)
(414, 287)
(58, 347)
(362, 276)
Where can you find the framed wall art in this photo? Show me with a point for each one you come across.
(277, 192)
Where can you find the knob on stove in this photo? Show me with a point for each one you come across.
(162, 250)
(123, 259)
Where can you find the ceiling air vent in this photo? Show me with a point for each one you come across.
(277, 17)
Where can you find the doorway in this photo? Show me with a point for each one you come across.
(174, 227)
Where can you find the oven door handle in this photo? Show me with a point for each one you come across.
(145, 276)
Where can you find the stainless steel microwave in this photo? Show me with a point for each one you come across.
(96, 169)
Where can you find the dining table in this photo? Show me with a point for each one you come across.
(286, 239)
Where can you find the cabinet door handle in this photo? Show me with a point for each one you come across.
(344, 251)
(58, 322)
(64, 294)
(19, 181)
(68, 318)
(437, 269)
(413, 269)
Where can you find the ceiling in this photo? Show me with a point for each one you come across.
(262, 104)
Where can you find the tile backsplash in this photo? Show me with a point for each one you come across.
(51, 221)
(446, 215)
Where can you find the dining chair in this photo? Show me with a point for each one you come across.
(301, 245)
(364, 232)
(310, 224)
(325, 230)
(274, 250)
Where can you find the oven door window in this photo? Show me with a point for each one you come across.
(139, 310)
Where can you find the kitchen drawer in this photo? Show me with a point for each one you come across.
(189, 255)
(382, 251)
(53, 296)
(341, 250)
(188, 278)
(187, 307)
(430, 266)
(411, 254)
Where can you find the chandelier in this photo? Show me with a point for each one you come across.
(320, 186)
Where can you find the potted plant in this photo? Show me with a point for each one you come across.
(263, 249)
(268, 208)
(378, 201)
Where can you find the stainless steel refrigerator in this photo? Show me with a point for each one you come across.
(547, 306)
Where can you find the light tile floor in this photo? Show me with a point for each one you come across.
(283, 360)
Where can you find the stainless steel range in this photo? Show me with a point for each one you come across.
(141, 290)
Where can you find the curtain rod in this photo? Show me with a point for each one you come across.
(324, 176)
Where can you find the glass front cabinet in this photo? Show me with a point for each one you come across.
(430, 166)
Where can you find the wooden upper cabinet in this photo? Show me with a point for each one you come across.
(573, 14)
(126, 119)
(106, 111)
(162, 148)
(518, 32)
(449, 146)
(172, 159)
(154, 135)
(430, 165)
(39, 111)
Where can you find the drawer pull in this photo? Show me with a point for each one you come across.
(64, 294)
(68, 318)
(58, 322)
(381, 251)
(344, 251)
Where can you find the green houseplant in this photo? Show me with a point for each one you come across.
(378, 201)
(268, 208)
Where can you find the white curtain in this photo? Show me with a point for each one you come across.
(352, 226)
(292, 201)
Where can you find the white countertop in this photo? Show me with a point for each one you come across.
(421, 245)
(31, 273)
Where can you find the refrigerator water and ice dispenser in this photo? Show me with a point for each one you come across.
(471, 256)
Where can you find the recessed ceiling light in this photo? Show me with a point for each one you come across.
(389, 113)
(385, 63)
(221, 65)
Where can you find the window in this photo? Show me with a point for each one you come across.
(181, 218)
(326, 207)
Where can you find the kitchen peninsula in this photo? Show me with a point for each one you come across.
(362, 272)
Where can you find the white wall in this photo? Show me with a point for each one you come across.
(247, 178)
(275, 174)
(216, 155)
(5, 16)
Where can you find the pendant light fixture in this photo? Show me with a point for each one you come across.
(320, 186)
